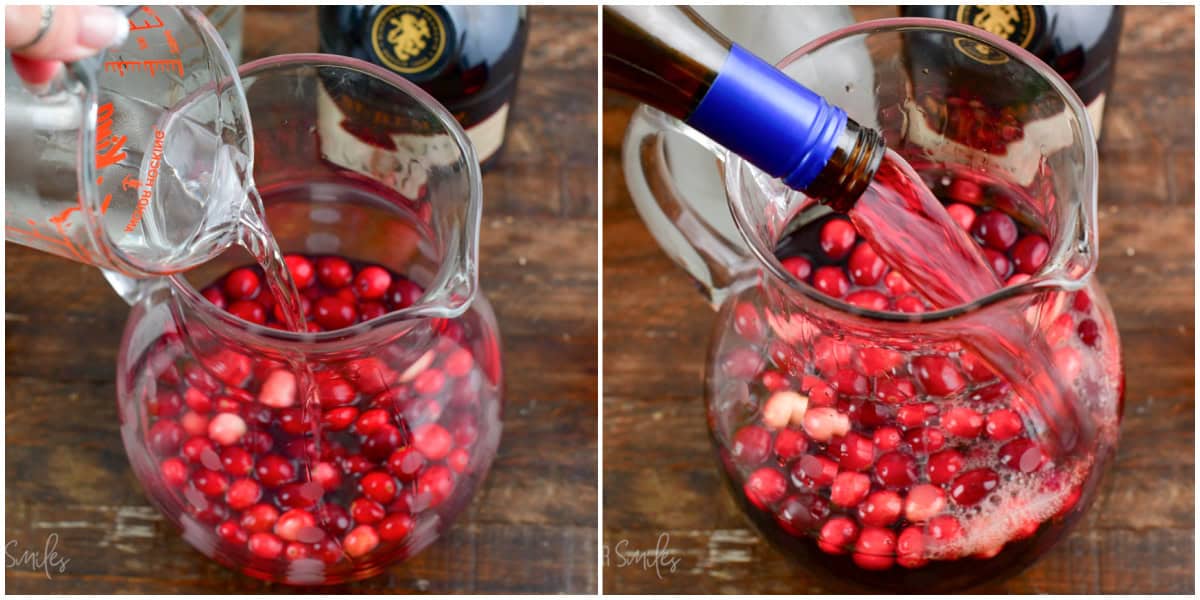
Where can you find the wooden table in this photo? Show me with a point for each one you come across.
(659, 472)
(531, 528)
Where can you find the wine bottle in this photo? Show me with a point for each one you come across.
(1079, 42)
(467, 57)
(673, 60)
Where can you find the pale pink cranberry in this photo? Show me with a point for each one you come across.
(910, 304)
(800, 514)
(765, 486)
(789, 444)
(241, 283)
(784, 407)
(798, 266)
(999, 262)
(334, 272)
(265, 545)
(923, 502)
(881, 508)
(378, 486)
(429, 382)
(938, 375)
(897, 284)
(895, 391)
(831, 281)
(868, 300)
(365, 510)
(1003, 424)
(973, 486)
(296, 524)
(1021, 455)
(875, 549)
(194, 424)
(813, 471)
(837, 238)
(823, 423)
(747, 322)
(742, 363)
(1030, 253)
(849, 489)
(944, 466)
(459, 363)
(910, 548)
(432, 440)
(174, 472)
(965, 190)
(837, 535)
(226, 429)
(962, 422)
(279, 389)
(886, 439)
(996, 229)
(395, 527)
(865, 266)
(962, 214)
(360, 541)
(372, 282)
(896, 470)
(854, 452)
(751, 444)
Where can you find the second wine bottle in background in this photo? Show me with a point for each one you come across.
(467, 57)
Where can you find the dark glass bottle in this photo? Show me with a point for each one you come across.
(1079, 42)
(673, 60)
(467, 57)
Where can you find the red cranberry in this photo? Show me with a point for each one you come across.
(836, 535)
(938, 375)
(248, 310)
(339, 419)
(333, 390)
(747, 322)
(335, 313)
(232, 534)
(458, 460)
(897, 284)
(996, 229)
(174, 472)
(849, 489)
(371, 421)
(895, 391)
(165, 404)
(1021, 455)
(854, 452)
(871, 414)
(875, 549)
(831, 281)
(379, 445)
(459, 363)
(999, 262)
(944, 466)
(865, 266)
(334, 272)
(333, 518)
(944, 528)
(910, 304)
(915, 415)
(241, 284)
(765, 487)
(1030, 253)
(365, 510)
(357, 464)
(435, 485)
(962, 214)
(965, 190)
(1003, 424)
(237, 461)
(242, 494)
(297, 524)
(165, 437)
(837, 238)
(896, 470)
(372, 282)
(1082, 302)
(215, 296)
(992, 393)
(360, 541)
(798, 266)
(788, 445)
(406, 464)
(971, 487)
(209, 482)
(199, 450)
(868, 300)
(395, 527)
(801, 513)
(403, 293)
(910, 548)
(1089, 332)
(378, 486)
(813, 471)
(962, 422)
(258, 518)
(877, 362)
(926, 439)
(275, 470)
(880, 509)
(751, 444)
(886, 439)
(301, 270)
(265, 545)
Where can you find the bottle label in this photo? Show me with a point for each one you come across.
(488, 134)
(1095, 110)
(412, 40)
(1017, 24)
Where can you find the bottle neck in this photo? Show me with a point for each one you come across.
(673, 60)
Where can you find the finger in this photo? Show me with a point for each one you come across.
(74, 32)
(35, 72)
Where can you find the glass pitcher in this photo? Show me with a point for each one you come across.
(859, 433)
(407, 420)
(114, 163)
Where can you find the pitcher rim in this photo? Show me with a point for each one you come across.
(464, 254)
(1047, 278)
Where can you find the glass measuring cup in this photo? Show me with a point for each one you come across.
(869, 442)
(105, 167)
(353, 163)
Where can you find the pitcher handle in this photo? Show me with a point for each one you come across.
(712, 259)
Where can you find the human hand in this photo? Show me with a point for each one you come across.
(42, 38)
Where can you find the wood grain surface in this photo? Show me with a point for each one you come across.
(532, 526)
(660, 476)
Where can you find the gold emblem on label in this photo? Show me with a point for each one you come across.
(1016, 24)
(408, 39)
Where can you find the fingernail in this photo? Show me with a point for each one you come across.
(102, 27)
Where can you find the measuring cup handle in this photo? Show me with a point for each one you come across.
(677, 223)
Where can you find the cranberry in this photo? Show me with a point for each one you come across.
(938, 375)
(788, 445)
(923, 502)
(910, 548)
(915, 415)
(880, 509)
(174, 472)
(962, 422)
(962, 214)
(436, 484)
(868, 300)
(837, 238)
(976, 368)
(258, 518)
(339, 419)
(971, 487)
(875, 549)
(379, 445)
(403, 293)
(996, 229)
(895, 391)
(747, 322)
(831, 281)
(371, 421)
(944, 466)
(1022, 455)
(232, 533)
(395, 527)
(458, 460)
(265, 545)
(1082, 302)
(335, 313)
(165, 437)
(910, 304)
(1030, 253)
(199, 450)
(870, 414)
(299, 495)
(194, 424)
(406, 464)
(334, 272)
(248, 310)
(944, 528)
(886, 438)
(865, 266)
(372, 282)
(237, 461)
(360, 541)
(801, 513)
(854, 452)
(813, 471)
(849, 489)
(896, 470)
(326, 475)
(965, 190)
(459, 363)
(226, 429)
(215, 296)
(1003, 424)
(765, 487)
(242, 494)
(275, 470)
(334, 518)
(301, 270)
(822, 424)
(378, 486)
(333, 390)
(751, 444)
(241, 284)
(1089, 332)
(897, 284)
(798, 266)
(209, 482)
(999, 262)
(836, 535)
(358, 464)
(365, 510)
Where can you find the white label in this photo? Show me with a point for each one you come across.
(488, 134)
(1096, 113)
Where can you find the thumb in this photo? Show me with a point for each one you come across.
(74, 31)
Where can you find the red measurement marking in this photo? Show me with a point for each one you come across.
(104, 206)
(129, 183)
(61, 224)
(171, 43)
(36, 235)
(146, 24)
(142, 43)
(121, 67)
(109, 146)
